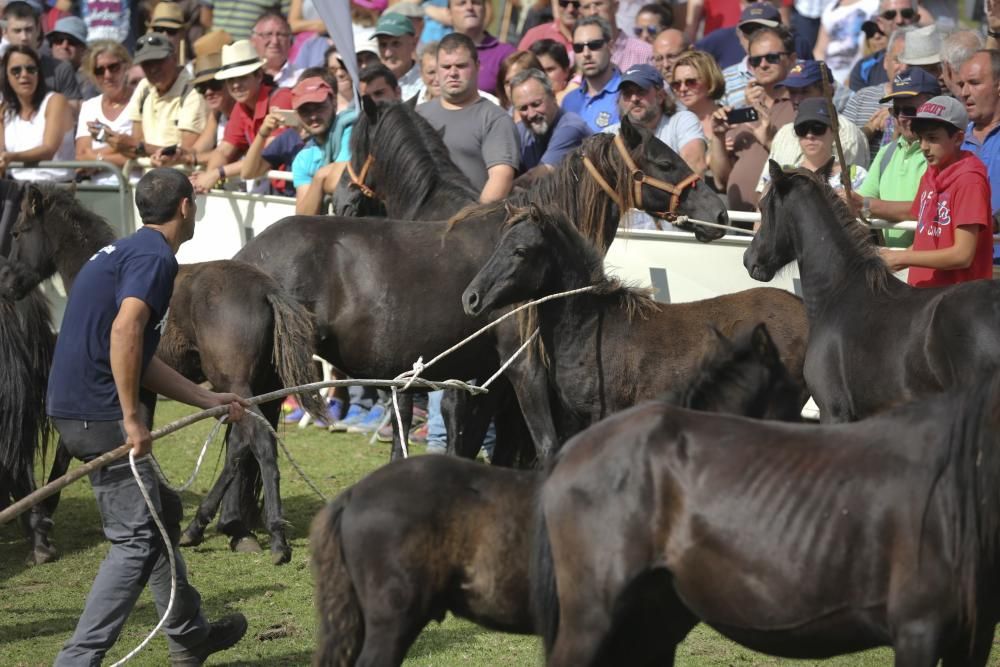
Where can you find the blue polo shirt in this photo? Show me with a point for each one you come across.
(567, 132)
(598, 111)
(989, 152)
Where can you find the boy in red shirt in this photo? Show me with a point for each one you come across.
(954, 241)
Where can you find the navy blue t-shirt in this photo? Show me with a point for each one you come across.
(143, 266)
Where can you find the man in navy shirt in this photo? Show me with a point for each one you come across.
(101, 391)
(728, 45)
(596, 100)
(547, 132)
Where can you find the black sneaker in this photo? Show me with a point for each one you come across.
(222, 634)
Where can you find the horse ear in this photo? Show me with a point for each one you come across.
(509, 208)
(370, 108)
(535, 211)
(777, 173)
(629, 132)
(32, 199)
(763, 346)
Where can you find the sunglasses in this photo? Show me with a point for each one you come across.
(772, 58)
(16, 70)
(167, 31)
(906, 112)
(688, 83)
(815, 129)
(113, 68)
(206, 86)
(905, 14)
(871, 29)
(593, 45)
(59, 40)
(650, 30)
(566, 3)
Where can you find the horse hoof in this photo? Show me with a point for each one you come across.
(247, 544)
(41, 556)
(189, 539)
(281, 556)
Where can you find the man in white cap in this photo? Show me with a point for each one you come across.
(242, 72)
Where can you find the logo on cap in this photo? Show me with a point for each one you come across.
(933, 109)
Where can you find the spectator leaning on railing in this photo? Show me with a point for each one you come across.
(107, 64)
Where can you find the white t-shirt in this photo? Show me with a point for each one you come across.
(91, 111)
(23, 135)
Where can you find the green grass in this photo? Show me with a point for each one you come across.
(39, 606)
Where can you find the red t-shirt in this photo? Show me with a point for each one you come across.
(242, 127)
(955, 196)
(720, 14)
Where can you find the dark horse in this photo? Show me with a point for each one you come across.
(229, 324)
(386, 292)
(613, 347)
(797, 541)
(431, 534)
(874, 341)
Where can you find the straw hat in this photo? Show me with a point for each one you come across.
(922, 46)
(239, 59)
(167, 15)
(205, 67)
(211, 42)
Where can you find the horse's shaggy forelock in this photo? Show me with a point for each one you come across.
(571, 189)
(866, 258)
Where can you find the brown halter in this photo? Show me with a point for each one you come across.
(638, 178)
(358, 180)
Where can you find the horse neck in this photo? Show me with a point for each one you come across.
(72, 251)
(571, 317)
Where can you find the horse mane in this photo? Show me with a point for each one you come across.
(410, 157)
(865, 259)
(571, 190)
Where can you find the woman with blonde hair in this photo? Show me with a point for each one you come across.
(698, 84)
(106, 64)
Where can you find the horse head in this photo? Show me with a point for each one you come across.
(517, 270)
(664, 185)
(31, 258)
(773, 245)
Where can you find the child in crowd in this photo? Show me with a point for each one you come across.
(953, 242)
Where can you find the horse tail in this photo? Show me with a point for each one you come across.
(294, 341)
(341, 624)
(544, 594)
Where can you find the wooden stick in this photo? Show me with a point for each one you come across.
(845, 169)
(508, 9)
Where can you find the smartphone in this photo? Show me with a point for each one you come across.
(169, 150)
(744, 115)
(98, 130)
(289, 117)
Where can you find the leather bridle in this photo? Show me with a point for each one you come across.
(640, 178)
(358, 179)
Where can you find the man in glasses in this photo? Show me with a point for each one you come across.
(565, 13)
(729, 45)
(272, 37)
(891, 185)
(771, 59)
(68, 42)
(596, 100)
(892, 14)
(23, 27)
(168, 20)
(626, 51)
(469, 18)
(668, 46)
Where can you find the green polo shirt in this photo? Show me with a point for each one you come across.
(900, 182)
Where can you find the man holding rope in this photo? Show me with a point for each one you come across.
(101, 392)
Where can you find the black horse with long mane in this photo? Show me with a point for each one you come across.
(798, 541)
(228, 323)
(386, 292)
(431, 534)
(874, 341)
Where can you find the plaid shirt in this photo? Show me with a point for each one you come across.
(628, 51)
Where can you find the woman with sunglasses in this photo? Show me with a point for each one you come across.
(651, 20)
(36, 124)
(839, 41)
(106, 64)
(698, 84)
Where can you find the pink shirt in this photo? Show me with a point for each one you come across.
(628, 51)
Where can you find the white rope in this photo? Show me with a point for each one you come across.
(170, 557)
(682, 219)
(197, 466)
(281, 443)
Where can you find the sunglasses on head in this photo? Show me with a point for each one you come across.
(815, 129)
(906, 112)
(166, 31)
(773, 58)
(593, 45)
(689, 83)
(206, 86)
(16, 70)
(906, 14)
(566, 3)
(113, 68)
(649, 29)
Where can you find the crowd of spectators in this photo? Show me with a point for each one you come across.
(232, 89)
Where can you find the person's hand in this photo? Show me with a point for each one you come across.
(755, 95)
(271, 123)
(720, 126)
(116, 140)
(877, 122)
(894, 259)
(853, 200)
(138, 436)
(158, 159)
(237, 405)
(203, 181)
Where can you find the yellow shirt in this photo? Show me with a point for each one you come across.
(163, 117)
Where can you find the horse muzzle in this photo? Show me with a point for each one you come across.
(472, 303)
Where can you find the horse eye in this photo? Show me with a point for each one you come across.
(520, 252)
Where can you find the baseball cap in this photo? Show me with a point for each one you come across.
(813, 110)
(69, 25)
(762, 13)
(645, 76)
(944, 109)
(152, 46)
(393, 25)
(805, 73)
(313, 89)
(912, 82)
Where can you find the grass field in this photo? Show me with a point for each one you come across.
(39, 606)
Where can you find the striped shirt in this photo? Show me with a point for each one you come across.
(237, 17)
(737, 76)
(862, 106)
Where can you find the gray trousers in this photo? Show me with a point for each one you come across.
(137, 553)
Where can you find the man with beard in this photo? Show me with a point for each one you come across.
(547, 132)
(596, 98)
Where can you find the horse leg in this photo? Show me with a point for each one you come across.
(467, 419)
(388, 640)
(36, 523)
(405, 401)
(917, 643)
(514, 445)
(265, 450)
(194, 534)
(528, 377)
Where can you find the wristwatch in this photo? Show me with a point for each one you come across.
(140, 149)
(866, 207)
